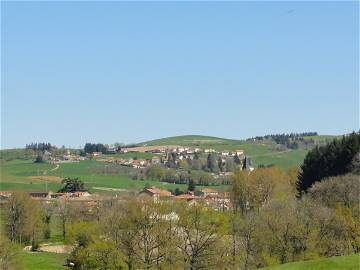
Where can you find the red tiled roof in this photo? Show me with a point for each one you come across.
(186, 197)
(209, 190)
(158, 191)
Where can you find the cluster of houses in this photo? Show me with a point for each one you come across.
(67, 157)
(161, 156)
(210, 197)
(4, 195)
(134, 163)
(215, 199)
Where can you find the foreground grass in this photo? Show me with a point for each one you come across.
(350, 262)
(53, 261)
(42, 261)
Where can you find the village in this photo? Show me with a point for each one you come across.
(217, 200)
(166, 157)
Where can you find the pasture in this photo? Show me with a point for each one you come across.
(350, 262)
(42, 261)
(98, 176)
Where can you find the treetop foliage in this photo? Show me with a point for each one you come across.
(334, 158)
(72, 185)
(93, 147)
(40, 146)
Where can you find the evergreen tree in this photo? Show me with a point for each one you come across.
(39, 159)
(331, 159)
(191, 186)
(211, 163)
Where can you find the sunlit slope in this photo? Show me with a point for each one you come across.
(350, 262)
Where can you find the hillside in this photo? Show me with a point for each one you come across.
(262, 152)
(19, 171)
(350, 262)
(191, 140)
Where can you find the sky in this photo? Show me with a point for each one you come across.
(77, 72)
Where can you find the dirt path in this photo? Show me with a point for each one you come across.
(53, 169)
(109, 189)
(52, 248)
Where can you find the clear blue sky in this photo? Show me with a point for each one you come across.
(128, 72)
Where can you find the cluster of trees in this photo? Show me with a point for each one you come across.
(40, 146)
(282, 137)
(24, 220)
(95, 147)
(72, 185)
(210, 163)
(147, 235)
(335, 158)
(267, 226)
(27, 221)
(291, 140)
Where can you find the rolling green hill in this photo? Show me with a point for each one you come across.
(350, 262)
(261, 152)
(17, 172)
(191, 140)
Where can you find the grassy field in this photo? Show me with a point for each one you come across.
(42, 261)
(190, 140)
(21, 174)
(53, 261)
(351, 262)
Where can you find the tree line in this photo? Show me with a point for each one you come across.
(95, 147)
(335, 158)
(40, 146)
(289, 140)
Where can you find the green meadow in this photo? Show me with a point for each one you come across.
(98, 176)
(53, 261)
(350, 262)
(42, 261)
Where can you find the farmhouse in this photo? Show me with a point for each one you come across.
(155, 160)
(219, 202)
(190, 198)
(155, 193)
(96, 154)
